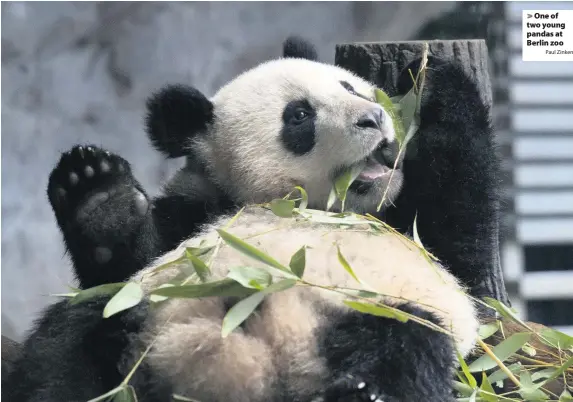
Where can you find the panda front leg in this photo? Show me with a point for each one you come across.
(451, 176)
(102, 212)
(381, 359)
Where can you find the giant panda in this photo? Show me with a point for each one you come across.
(286, 122)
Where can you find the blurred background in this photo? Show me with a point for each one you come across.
(77, 72)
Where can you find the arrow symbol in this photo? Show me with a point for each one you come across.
(529, 15)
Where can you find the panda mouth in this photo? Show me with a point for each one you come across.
(378, 165)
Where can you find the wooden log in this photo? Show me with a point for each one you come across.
(381, 64)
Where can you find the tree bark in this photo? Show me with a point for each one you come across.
(381, 64)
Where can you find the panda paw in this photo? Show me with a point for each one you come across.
(94, 192)
(352, 388)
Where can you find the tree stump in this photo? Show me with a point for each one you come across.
(381, 64)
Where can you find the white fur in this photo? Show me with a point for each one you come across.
(278, 340)
(243, 149)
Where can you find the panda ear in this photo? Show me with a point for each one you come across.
(175, 114)
(297, 47)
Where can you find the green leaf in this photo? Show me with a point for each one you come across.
(487, 330)
(565, 396)
(108, 394)
(240, 312)
(559, 371)
(298, 262)
(500, 375)
(130, 295)
(243, 309)
(304, 202)
(342, 183)
(462, 388)
(108, 289)
(556, 339)
(502, 351)
(157, 298)
(408, 106)
(393, 110)
(331, 198)
(254, 253)
(127, 394)
(528, 349)
(488, 389)
(223, 288)
(282, 208)
(380, 311)
(505, 311)
(200, 267)
(471, 380)
(530, 391)
(416, 236)
(473, 396)
(346, 265)
(250, 277)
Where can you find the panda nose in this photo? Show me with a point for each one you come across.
(372, 119)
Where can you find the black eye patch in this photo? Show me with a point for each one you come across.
(352, 91)
(298, 133)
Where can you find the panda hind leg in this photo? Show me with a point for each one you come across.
(381, 359)
(99, 207)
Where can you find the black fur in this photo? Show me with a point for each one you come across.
(300, 48)
(398, 362)
(110, 227)
(298, 134)
(72, 354)
(451, 176)
(175, 114)
(450, 182)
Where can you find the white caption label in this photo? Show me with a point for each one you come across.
(547, 35)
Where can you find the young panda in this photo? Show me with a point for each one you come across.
(284, 123)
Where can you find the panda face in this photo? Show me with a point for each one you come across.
(294, 122)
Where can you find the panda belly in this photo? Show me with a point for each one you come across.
(299, 339)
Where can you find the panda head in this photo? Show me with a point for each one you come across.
(287, 122)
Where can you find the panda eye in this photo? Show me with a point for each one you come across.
(300, 115)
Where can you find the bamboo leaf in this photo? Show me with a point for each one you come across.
(243, 309)
(487, 390)
(389, 105)
(107, 394)
(156, 298)
(505, 311)
(282, 208)
(130, 295)
(200, 267)
(254, 253)
(223, 288)
(298, 262)
(250, 277)
(471, 379)
(487, 330)
(346, 265)
(502, 351)
(556, 339)
(240, 312)
(380, 311)
(103, 290)
(304, 202)
(565, 396)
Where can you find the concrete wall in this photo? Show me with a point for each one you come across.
(80, 72)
